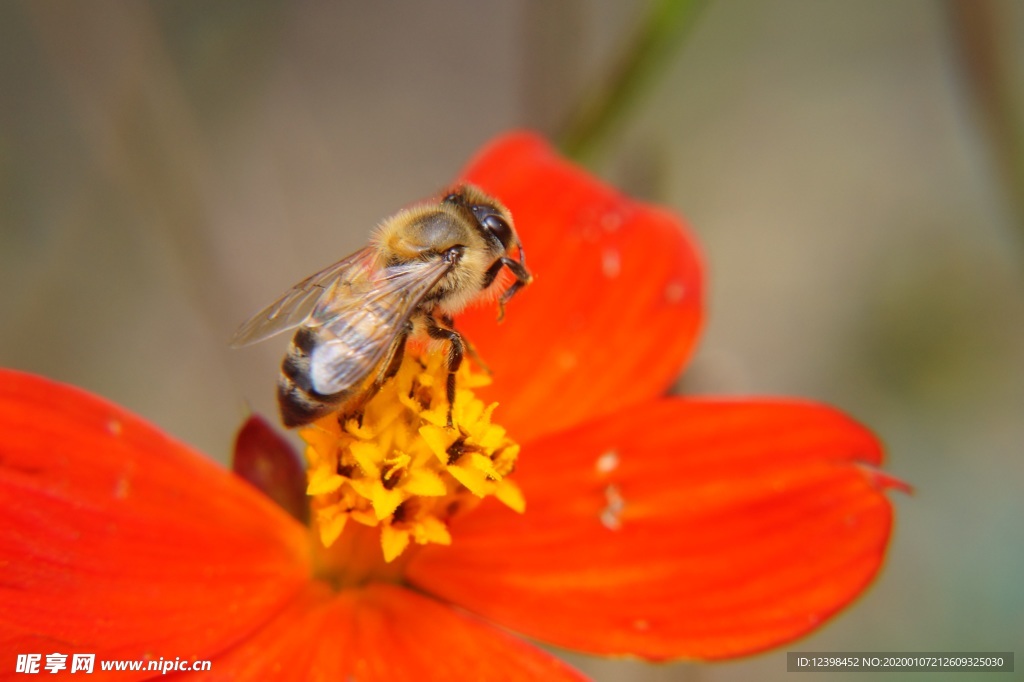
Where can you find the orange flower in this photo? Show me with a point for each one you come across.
(661, 527)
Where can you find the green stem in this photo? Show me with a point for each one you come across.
(597, 114)
(978, 29)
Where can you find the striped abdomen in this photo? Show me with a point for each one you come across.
(298, 400)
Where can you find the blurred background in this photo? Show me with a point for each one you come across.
(853, 171)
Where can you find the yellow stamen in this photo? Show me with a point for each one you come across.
(403, 469)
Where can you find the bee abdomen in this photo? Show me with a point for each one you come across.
(299, 403)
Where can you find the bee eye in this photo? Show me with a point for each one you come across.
(499, 228)
(491, 220)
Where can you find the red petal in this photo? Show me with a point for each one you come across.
(387, 633)
(678, 529)
(291, 646)
(269, 463)
(118, 541)
(614, 310)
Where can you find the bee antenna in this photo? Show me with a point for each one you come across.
(455, 197)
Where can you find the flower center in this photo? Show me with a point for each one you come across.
(402, 470)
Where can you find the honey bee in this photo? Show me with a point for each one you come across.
(422, 266)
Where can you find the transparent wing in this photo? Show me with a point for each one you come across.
(296, 304)
(362, 319)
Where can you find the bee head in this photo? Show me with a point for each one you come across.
(491, 220)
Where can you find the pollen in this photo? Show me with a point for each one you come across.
(401, 468)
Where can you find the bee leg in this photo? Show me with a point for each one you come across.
(492, 273)
(456, 347)
(393, 364)
(389, 368)
(449, 322)
(523, 277)
(477, 360)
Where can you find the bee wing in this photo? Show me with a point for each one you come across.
(295, 305)
(362, 320)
